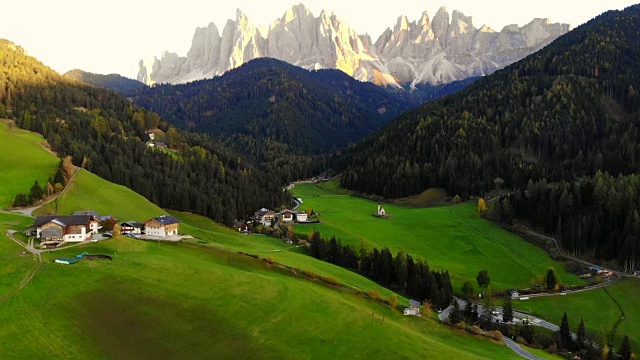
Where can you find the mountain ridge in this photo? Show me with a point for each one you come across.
(265, 98)
(114, 82)
(566, 111)
(439, 50)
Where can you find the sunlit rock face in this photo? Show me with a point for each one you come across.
(445, 48)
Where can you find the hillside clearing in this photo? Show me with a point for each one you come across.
(19, 147)
(452, 238)
(597, 308)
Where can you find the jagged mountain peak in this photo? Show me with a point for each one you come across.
(438, 49)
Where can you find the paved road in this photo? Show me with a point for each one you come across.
(518, 316)
(444, 315)
(298, 203)
(520, 351)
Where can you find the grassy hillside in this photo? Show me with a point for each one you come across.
(454, 238)
(19, 147)
(598, 309)
(165, 301)
(87, 191)
(14, 265)
(212, 234)
(90, 192)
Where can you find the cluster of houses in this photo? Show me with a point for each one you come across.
(267, 217)
(54, 230)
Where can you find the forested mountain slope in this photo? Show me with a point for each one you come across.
(114, 82)
(568, 110)
(310, 112)
(102, 131)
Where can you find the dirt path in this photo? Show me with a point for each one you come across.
(31, 274)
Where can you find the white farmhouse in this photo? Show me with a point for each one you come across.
(164, 225)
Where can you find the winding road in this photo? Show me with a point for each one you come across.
(519, 350)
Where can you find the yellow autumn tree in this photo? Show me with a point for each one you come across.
(482, 205)
(393, 301)
(427, 308)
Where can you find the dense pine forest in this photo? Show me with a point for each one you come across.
(596, 216)
(310, 112)
(401, 273)
(102, 132)
(568, 110)
(534, 128)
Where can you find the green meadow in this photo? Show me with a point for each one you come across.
(159, 300)
(199, 298)
(541, 353)
(453, 237)
(87, 191)
(598, 309)
(24, 161)
(14, 265)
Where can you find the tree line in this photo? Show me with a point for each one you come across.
(401, 272)
(104, 133)
(569, 110)
(597, 216)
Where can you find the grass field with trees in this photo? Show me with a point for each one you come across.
(159, 300)
(19, 147)
(14, 265)
(453, 238)
(598, 308)
(164, 300)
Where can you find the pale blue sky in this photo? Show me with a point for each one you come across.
(111, 36)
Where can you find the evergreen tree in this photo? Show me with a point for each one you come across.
(488, 304)
(551, 280)
(483, 279)
(474, 314)
(625, 349)
(21, 200)
(564, 334)
(507, 310)
(455, 316)
(467, 291)
(36, 193)
(582, 334)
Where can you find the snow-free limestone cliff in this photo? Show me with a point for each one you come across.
(439, 50)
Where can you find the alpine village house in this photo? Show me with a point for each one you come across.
(164, 225)
(57, 229)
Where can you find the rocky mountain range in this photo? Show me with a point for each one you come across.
(442, 49)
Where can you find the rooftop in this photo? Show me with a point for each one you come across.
(166, 219)
(132, 223)
(63, 220)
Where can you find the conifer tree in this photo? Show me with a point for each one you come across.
(564, 333)
(625, 349)
(581, 335)
(507, 310)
